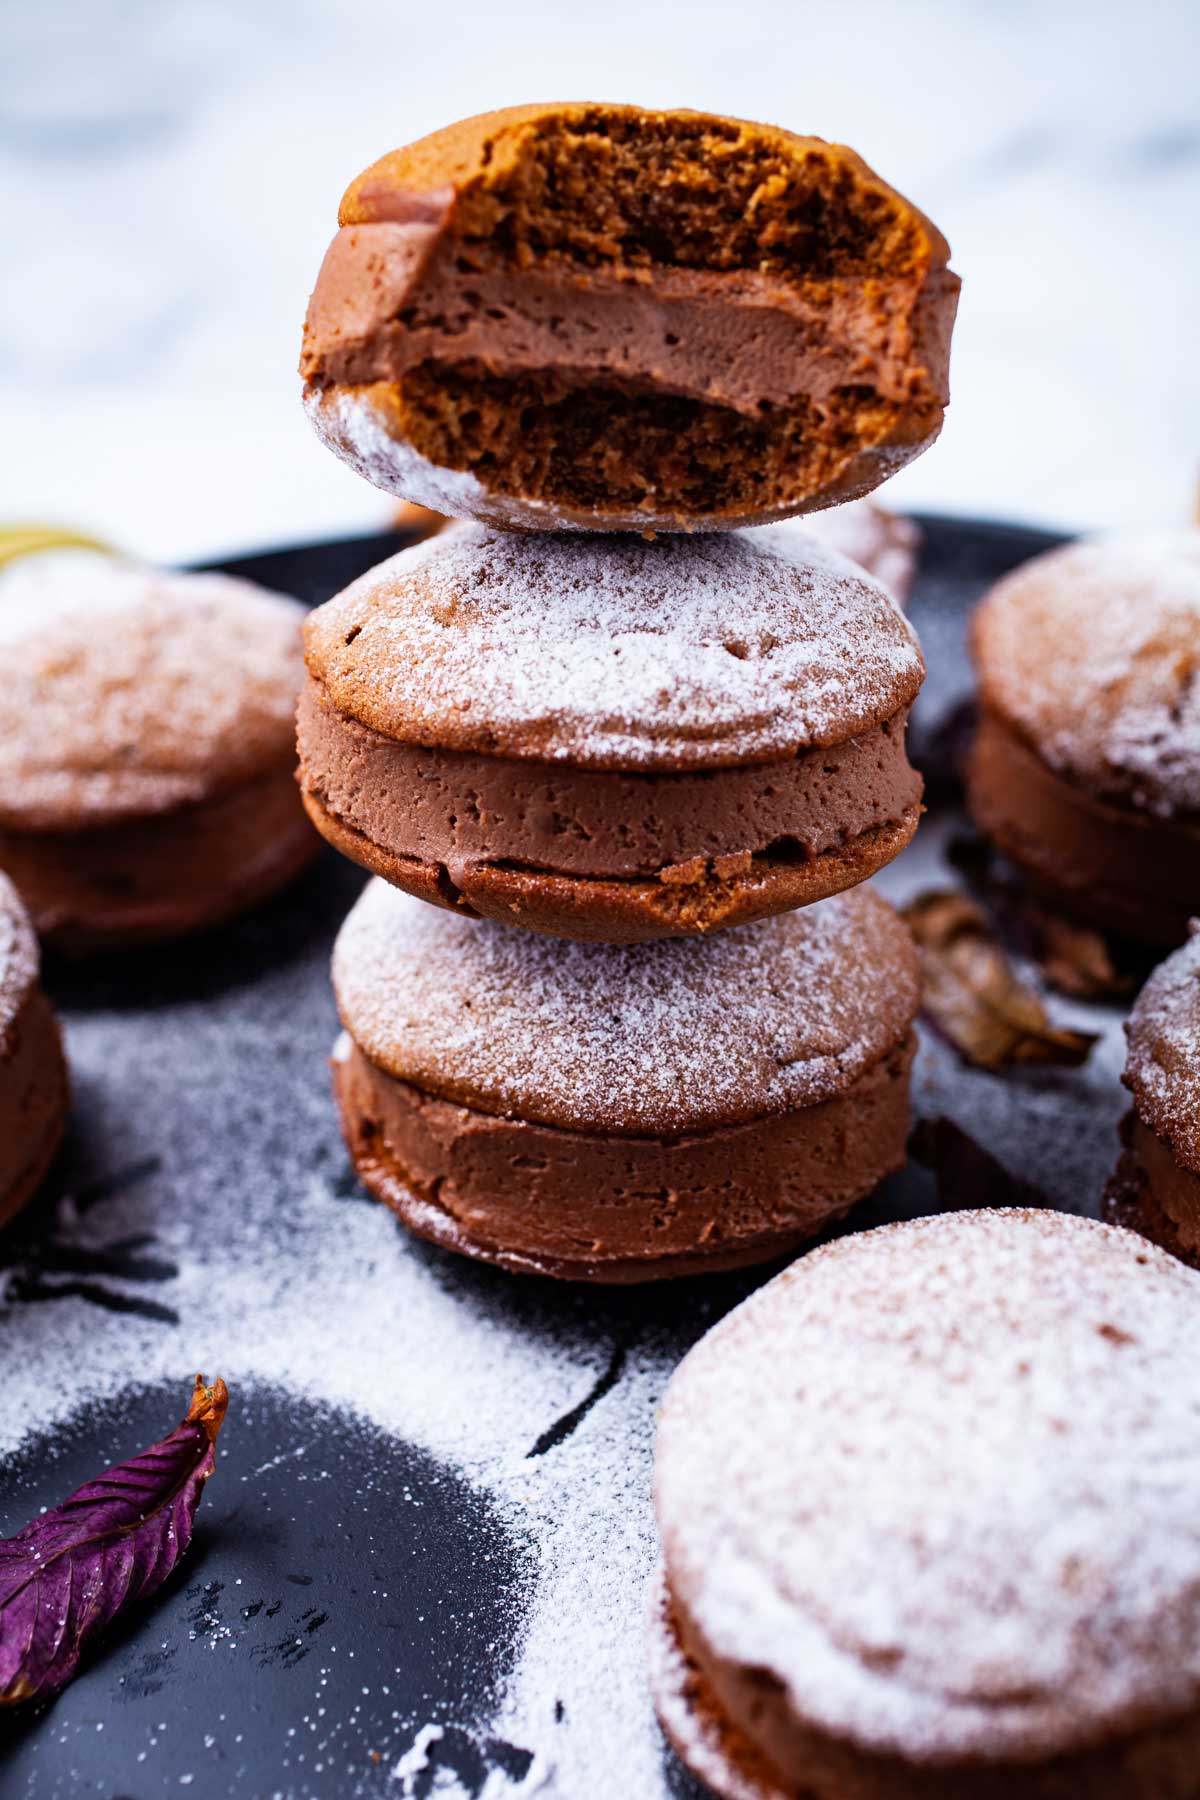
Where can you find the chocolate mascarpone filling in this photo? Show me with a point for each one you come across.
(165, 874)
(1128, 870)
(460, 809)
(552, 1196)
(390, 297)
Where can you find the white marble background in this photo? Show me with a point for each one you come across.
(169, 176)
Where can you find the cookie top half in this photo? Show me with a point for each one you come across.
(616, 652)
(635, 1039)
(130, 691)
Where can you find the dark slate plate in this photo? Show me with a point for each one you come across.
(347, 1589)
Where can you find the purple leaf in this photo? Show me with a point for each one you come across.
(69, 1575)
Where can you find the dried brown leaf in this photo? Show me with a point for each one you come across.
(974, 996)
(1075, 959)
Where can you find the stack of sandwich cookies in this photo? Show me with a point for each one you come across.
(563, 323)
(609, 738)
(33, 1072)
(620, 1113)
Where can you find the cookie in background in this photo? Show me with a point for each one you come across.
(1086, 768)
(146, 747)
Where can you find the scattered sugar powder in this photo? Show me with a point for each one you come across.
(690, 1033)
(615, 652)
(941, 1482)
(1164, 1051)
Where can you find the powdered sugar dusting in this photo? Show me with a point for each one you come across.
(615, 652)
(627, 1038)
(1093, 651)
(1163, 1070)
(128, 689)
(18, 957)
(346, 423)
(940, 1479)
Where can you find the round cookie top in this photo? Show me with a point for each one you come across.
(454, 162)
(1163, 1069)
(1091, 653)
(130, 690)
(637, 1040)
(940, 1479)
(615, 652)
(18, 959)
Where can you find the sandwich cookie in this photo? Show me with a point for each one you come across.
(596, 316)
(927, 1504)
(621, 1113)
(1156, 1187)
(146, 748)
(609, 738)
(1086, 769)
(33, 1072)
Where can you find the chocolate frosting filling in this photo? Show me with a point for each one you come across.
(461, 809)
(393, 295)
(566, 1196)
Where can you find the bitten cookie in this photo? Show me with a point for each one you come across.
(618, 1114)
(585, 315)
(609, 738)
(1086, 769)
(1156, 1187)
(146, 750)
(33, 1072)
(929, 1531)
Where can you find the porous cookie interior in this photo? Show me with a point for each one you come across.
(606, 444)
(611, 194)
